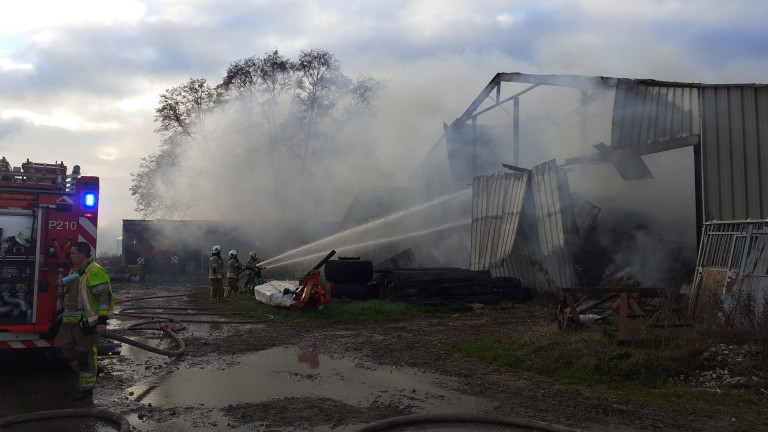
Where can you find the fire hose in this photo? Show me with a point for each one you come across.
(167, 324)
(179, 351)
(397, 423)
(113, 417)
(391, 423)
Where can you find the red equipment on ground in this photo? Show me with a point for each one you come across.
(312, 293)
(43, 212)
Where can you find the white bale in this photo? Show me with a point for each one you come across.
(271, 293)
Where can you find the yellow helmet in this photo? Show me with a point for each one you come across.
(253, 256)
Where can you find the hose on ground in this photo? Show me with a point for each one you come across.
(160, 318)
(411, 420)
(157, 310)
(177, 325)
(158, 324)
(162, 313)
(150, 348)
(113, 417)
(152, 297)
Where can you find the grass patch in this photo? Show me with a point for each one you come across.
(645, 373)
(589, 356)
(337, 311)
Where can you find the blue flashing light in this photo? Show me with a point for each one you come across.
(89, 200)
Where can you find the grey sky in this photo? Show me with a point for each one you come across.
(79, 80)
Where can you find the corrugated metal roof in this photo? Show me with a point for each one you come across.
(735, 152)
(644, 113)
(497, 202)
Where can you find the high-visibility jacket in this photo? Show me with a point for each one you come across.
(215, 267)
(94, 296)
(233, 268)
(252, 263)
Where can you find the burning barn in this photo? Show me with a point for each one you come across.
(679, 156)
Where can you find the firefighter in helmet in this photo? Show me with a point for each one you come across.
(88, 304)
(233, 271)
(216, 274)
(253, 272)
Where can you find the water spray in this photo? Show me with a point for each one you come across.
(373, 242)
(371, 224)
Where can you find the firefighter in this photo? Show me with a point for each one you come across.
(233, 270)
(216, 274)
(253, 272)
(88, 304)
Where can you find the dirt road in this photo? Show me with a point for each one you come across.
(271, 376)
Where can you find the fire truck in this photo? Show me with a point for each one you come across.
(44, 211)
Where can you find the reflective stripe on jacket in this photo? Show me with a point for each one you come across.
(94, 276)
(215, 267)
(233, 268)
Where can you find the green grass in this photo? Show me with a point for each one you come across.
(337, 311)
(583, 357)
(644, 373)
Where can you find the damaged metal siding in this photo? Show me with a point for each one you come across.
(734, 155)
(556, 223)
(585, 213)
(731, 282)
(732, 121)
(497, 202)
(646, 112)
(525, 229)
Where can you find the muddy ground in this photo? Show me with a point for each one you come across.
(338, 369)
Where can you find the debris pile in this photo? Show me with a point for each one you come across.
(729, 366)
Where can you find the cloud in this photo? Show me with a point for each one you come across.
(81, 79)
(34, 15)
(7, 65)
(64, 120)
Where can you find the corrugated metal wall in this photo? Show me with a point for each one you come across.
(525, 229)
(735, 152)
(497, 202)
(556, 224)
(733, 123)
(648, 111)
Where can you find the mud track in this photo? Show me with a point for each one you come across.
(414, 343)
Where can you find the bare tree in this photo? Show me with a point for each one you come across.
(363, 93)
(155, 171)
(259, 83)
(182, 111)
(181, 115)
(322, 100)
(319, 85)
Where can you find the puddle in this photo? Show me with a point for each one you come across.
(291, 372)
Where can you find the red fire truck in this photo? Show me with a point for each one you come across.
(43, 212)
